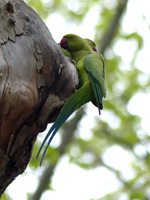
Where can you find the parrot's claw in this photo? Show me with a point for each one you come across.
(61, 66)
(73, 62)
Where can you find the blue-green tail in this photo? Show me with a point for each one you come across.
(51, 133)
(78, 99)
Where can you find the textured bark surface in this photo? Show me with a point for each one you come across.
(35, 81)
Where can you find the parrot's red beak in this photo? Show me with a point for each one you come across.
(63, 43)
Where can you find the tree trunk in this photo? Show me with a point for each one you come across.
(35, 81)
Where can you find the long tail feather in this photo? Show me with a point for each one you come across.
(78, 99)
(53, 128)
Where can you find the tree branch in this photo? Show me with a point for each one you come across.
(109, 35)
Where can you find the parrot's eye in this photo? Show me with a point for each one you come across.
(71, 37)
(91, 42)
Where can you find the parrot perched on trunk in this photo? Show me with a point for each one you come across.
(91, 71)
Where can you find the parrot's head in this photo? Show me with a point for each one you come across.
(91, 44)
(72, 43)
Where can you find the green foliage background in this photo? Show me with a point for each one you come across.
(120, 128)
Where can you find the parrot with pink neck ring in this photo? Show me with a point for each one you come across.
(92, 87)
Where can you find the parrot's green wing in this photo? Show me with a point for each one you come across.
(94, 64)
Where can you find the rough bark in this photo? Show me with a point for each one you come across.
(35, 81)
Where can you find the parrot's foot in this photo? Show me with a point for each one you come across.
(73, 62)
(61, 66)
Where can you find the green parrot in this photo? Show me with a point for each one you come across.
(91, 44)
(91, 71)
